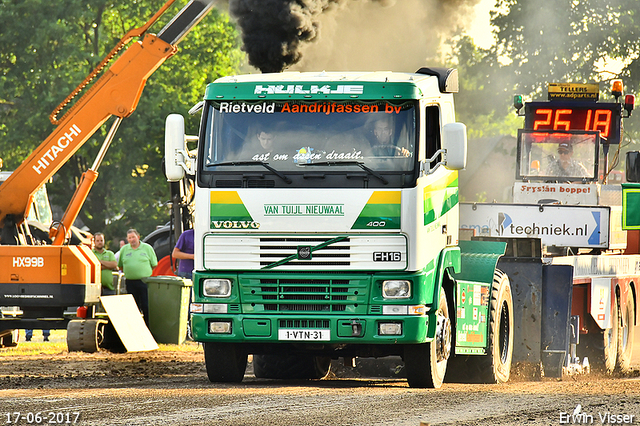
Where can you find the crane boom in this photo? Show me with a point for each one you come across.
(43, 280)
(115, 93)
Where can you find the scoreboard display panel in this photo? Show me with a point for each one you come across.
(605, 118)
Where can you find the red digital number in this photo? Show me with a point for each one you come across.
(602, 119)
(565, 119)
(562, 123)
(546, 122)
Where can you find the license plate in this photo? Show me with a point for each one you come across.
(306, 334)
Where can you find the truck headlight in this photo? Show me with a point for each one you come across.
(390, 329)
(396, 289)
(220, 327)
(216, 287)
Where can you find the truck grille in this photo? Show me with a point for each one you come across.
(280, 252)
(304, 294)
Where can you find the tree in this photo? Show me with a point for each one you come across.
(543, 42)
(569, 41)
(484, 101)
(47, 48)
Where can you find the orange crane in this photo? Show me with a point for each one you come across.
(43, 280)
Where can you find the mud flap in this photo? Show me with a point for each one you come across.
(542, 308)
(557, 287)
(125, 317)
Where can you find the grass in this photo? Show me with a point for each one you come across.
(58, 344)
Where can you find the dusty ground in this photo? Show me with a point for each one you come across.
(170, 387)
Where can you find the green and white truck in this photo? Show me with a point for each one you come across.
(326, 226)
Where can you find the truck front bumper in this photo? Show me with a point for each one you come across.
(334, 330)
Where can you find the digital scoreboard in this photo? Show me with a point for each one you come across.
(570, 115)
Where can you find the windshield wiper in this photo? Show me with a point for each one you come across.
(348, 163)
(254, 163)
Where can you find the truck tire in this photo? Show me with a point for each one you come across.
(495, 366)
(225, 362)
(291, 367)
(85, 335)
(601, 347)
(626, 335)
(426, 363)
(160, 241)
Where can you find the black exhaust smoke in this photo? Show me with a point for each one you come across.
(273, 30)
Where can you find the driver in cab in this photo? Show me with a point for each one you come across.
(383, 145)
(565, 165)
(260, 146)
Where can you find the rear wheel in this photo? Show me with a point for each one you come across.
(291, 367)
(225, 362)
(85, 335)
(495, 366)
(602, 347)
(626, 335)
(426, 363)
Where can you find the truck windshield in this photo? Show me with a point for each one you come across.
(290, 134)
(558, 155)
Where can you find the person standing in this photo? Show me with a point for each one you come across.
(183, 251)
(108, 263)
(122, 243)
(28, 335)
(137, 260)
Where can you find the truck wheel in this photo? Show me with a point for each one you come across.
(626, 336)
(495, 367)
(110, 340)
(225, 362)
(85, 335)
(160, 240)
(291, 367)
(601, 347)
(426, 363)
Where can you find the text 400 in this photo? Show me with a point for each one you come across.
(377, 223)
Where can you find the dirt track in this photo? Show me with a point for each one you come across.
(171, 388)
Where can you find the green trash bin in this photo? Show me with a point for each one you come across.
(168, 308)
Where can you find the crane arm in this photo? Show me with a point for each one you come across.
(115, 93)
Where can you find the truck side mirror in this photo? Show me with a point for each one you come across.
(633, 166)
(454, 142)
(174, 147)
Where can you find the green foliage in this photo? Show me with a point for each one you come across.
(483, 102)
(542, 42)
(570, 41)
(47, 48)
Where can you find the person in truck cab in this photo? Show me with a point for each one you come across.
(261, 146)
(565, 165)
(384, 145)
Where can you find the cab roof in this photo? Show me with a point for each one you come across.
(334, 85)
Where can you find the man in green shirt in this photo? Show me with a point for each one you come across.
(108, 264)
(137, 260)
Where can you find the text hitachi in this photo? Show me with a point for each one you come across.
(52, 153)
